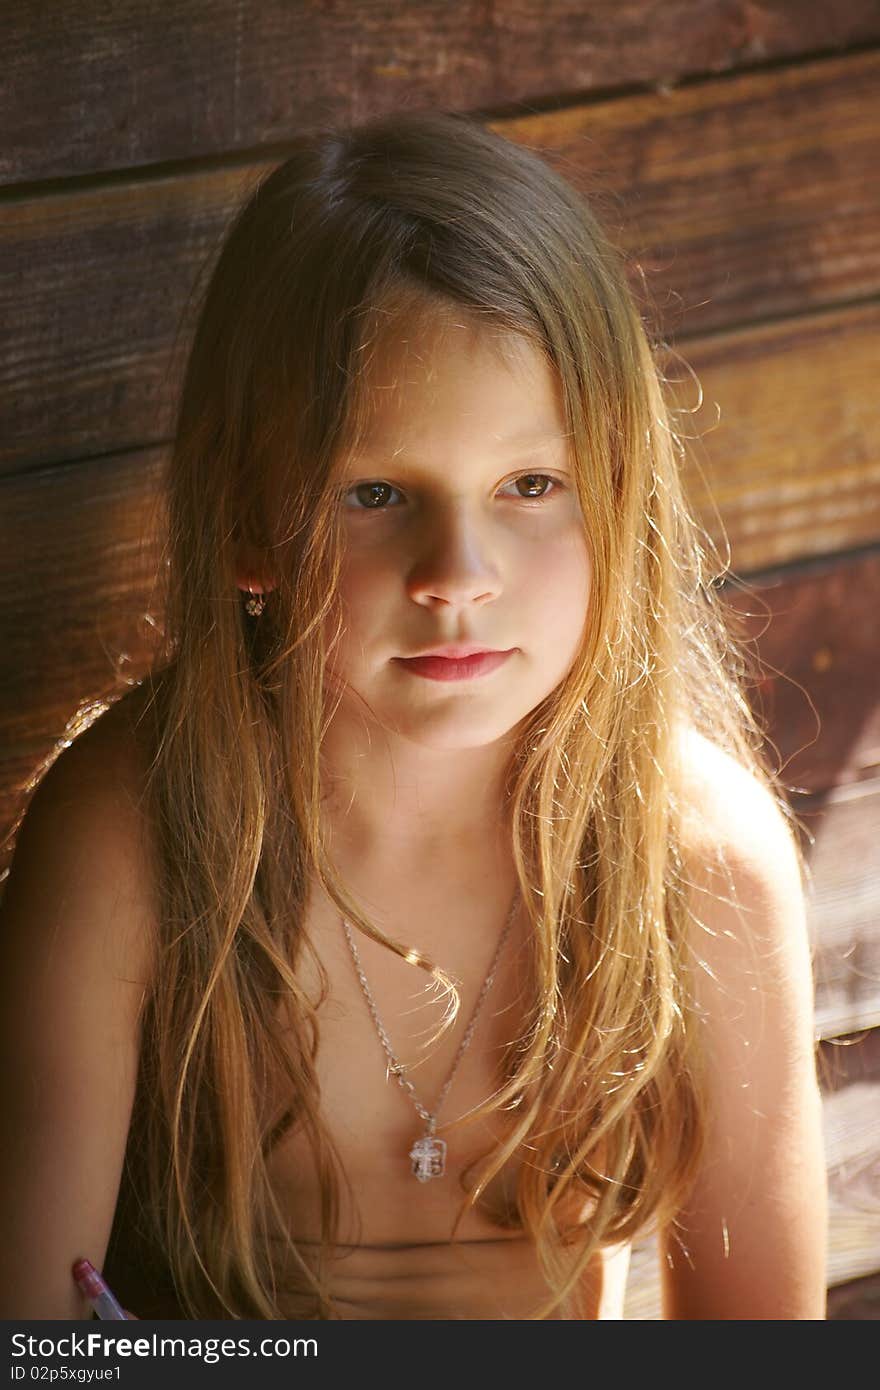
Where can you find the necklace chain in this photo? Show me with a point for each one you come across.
(395, 1067)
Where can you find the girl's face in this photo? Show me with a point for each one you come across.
(462, 525)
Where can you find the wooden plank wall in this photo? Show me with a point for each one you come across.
(733, 149)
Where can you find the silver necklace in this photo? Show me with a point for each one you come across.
(428, 1153)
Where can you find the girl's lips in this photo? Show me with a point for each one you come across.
(444, 668)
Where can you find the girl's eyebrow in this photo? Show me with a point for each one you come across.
(550, 435)
(509, 443)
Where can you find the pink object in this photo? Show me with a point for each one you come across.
(441, 668)
(94, 1288)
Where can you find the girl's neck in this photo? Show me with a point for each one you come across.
(405, 807)
(417, 846)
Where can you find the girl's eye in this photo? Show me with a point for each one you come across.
(533, 480)
(372, 496)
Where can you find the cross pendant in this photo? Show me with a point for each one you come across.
(428, 1158)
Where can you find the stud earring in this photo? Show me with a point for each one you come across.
(255, 604)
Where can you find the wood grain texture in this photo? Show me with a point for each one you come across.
(851, 1119)
(816, 631)
(743, 199)
(736, 200)
(92, 535)
(845, 906)
(93, 316)
(782, 424)
(856, 1301)
(849, 1069)
(144, 82)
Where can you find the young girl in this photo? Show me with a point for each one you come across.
(427, 926)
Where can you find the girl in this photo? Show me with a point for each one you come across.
(427, 926)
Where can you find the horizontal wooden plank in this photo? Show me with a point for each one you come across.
(857, 1300)
(91, 534)
(850, 1072)
(853, 1142)
(143, 82)
(92, 306)
(782, 425)
(851, 1119)
(749, 197)
(845, 906)
(814, 628)
(849, 1058)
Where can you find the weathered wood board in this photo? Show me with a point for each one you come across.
(744, 199)
(782, 427)
(817, 630)
(144, 82)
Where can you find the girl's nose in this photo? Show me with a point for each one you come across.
(454, 562)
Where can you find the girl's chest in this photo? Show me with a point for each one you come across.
(396, 1259)
(374, 1122)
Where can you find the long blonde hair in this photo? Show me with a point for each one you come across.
(358, 228)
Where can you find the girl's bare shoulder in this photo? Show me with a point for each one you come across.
(729, 815)
(86, 826)
(78, 945)
(750, 936)
(745, 879)
(753, 1239)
